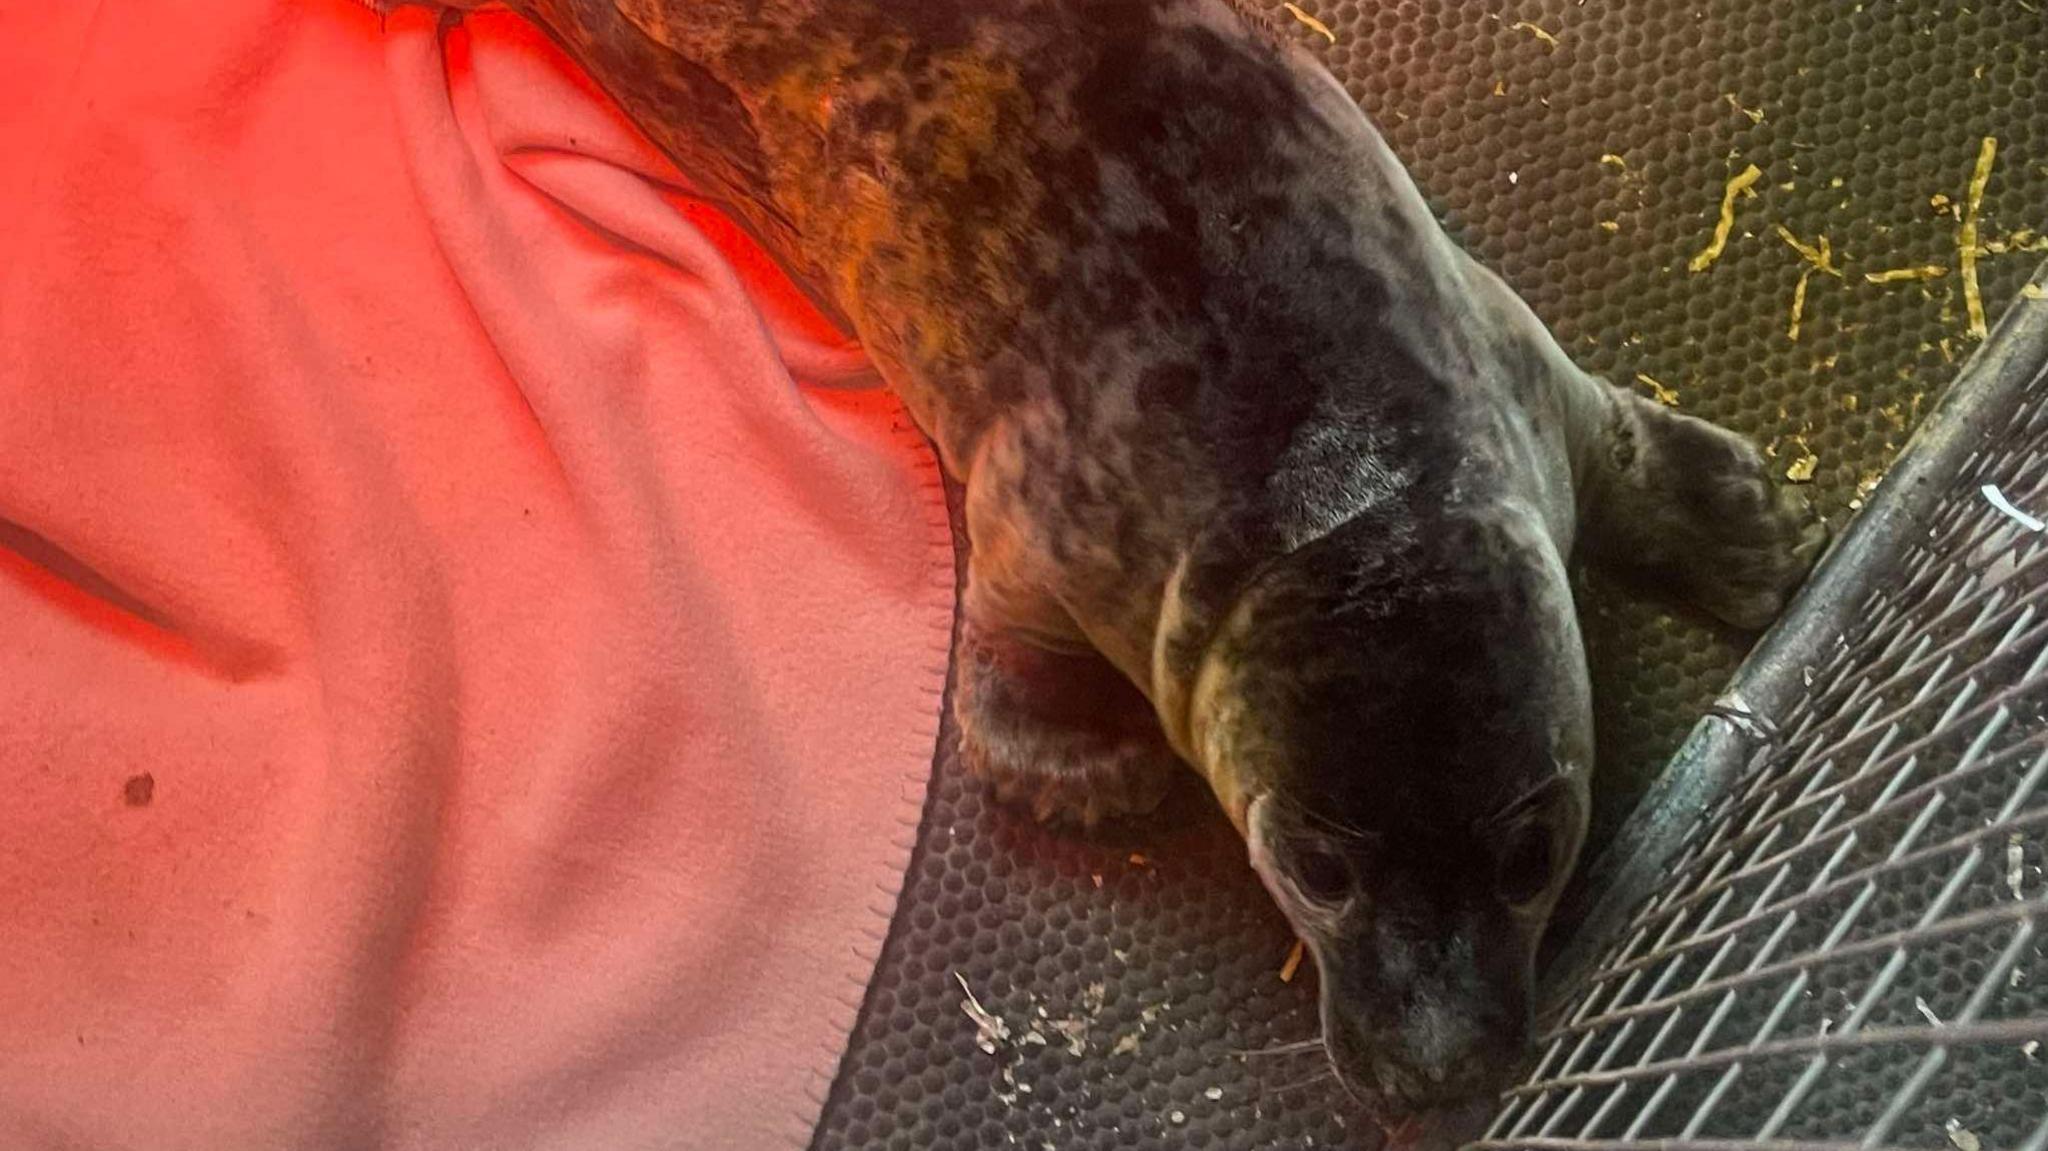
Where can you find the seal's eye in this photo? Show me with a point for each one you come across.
(1322, 875)
(1525, 865)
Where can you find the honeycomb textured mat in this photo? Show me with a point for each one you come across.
(1581, 148)
(1848, 952)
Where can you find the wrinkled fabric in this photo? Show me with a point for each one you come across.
(463, 682)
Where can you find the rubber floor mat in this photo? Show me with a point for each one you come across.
(1043, 990)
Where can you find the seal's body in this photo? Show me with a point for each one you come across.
(1262, 473)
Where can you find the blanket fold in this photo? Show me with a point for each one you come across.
(465, 678)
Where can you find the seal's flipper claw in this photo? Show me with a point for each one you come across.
(1695, 508)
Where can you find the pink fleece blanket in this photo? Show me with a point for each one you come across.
(462, 683)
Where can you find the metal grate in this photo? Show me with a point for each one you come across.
(1846, 946)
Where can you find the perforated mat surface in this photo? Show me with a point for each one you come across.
(1582, 148)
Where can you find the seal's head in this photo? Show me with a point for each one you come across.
(1397, 716)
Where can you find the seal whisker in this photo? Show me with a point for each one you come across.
(1298, 1047)
(1324, 821)
(1324, 1076)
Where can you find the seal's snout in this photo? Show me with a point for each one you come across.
(1428, 996)
(1440, 1059)
(1425, 1047)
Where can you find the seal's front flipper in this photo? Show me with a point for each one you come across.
(1694, 508)
(1065, 734)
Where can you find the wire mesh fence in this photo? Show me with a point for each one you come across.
(1846, 948)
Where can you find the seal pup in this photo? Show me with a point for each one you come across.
(1262, 474)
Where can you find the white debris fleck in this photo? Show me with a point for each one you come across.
(1034, 1037)
(1963, 1138)
(1180, 1117)
(1826, 1024)
(1122, 956)
(2029, 1048)
(2016, 978)
(1926, 1012)
(2012, 513)
(989, 1028)
(1075, 1032)
(1125, 1044)
(1213, 1094)
(1514, 177)
(1093, 996)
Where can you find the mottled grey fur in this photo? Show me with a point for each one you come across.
(1263, 474)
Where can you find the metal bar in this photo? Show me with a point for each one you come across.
(1815, 1068)
(1937, 732)
(1811, 1076)
(1904, 1098)
(1960, 925)
(2038, 1141)
(2006, 823)
(1997, 1031)
(1614, 1098)
(1663, 1145)
(1615, 1045)
(1931, 1064)
(1792, 990)
(1787, 918)
(1808, 846)
(1713, 1024)
(1910, 663)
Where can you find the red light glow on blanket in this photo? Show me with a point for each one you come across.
(461, 683)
